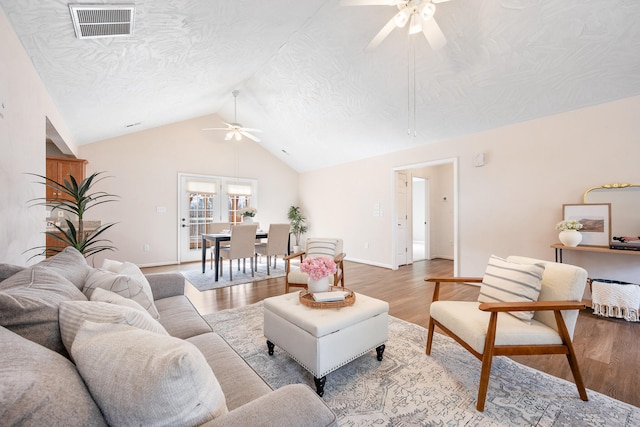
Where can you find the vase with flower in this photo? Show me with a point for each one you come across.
(318, 269)
(569, 234)
(247, 214)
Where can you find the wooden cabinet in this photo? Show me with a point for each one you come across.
(59, 169)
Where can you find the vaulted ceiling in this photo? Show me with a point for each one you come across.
(305, 80)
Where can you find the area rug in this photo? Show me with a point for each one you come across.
(409, 388)
(204, 281)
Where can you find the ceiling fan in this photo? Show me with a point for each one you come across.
(417, 13)
(235, 129)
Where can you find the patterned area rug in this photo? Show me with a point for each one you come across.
(409, 388)
(204, 281)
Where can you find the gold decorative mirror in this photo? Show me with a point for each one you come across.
(625, 206)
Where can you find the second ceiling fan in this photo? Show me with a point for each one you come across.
(235, 129)
(419, 14)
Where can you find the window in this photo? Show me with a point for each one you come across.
(239, 196)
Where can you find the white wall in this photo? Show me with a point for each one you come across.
(24, 106)
(144, 167)
(510, 205)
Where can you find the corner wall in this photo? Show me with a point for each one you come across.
(25, 105)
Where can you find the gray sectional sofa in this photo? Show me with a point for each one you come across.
(72, 357)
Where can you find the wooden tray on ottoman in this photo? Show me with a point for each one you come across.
(306, 298)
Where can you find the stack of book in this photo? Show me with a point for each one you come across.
(329, 296)
(625, 244)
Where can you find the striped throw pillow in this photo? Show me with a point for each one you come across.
(506, 281)
(321, 247)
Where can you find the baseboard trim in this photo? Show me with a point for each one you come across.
(363, 261)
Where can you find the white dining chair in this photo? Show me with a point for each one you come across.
(241, 246)
(277, 244)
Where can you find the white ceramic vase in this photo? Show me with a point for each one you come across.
(321, 285)
(570, 237)
(247, 220)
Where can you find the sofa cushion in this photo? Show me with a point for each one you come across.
(506, 281)
(8, 270)
(239, 382)
(70, 264)
(39, 387)
(180, 318)
(138, 377)
(74, 313)
(123, 285)
(29, 302)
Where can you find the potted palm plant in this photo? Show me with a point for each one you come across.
(298, 225)
(75, 199)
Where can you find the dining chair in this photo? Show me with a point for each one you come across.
(215, 228)
(526, 307)
(277, 244)
(316, 247)
(241, 246)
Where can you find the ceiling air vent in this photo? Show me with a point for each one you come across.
(102, 20)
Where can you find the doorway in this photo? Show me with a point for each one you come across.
(440, 210)
(420, 218)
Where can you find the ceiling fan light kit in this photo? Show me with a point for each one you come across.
(235, 129)
(418, 13)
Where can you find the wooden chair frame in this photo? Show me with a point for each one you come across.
(490, 349)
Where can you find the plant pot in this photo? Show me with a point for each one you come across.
(570, 238)
(296, 249)
(321, 285)
(247, 220)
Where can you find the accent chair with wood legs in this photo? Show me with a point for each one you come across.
(316, 247)
(489, 327)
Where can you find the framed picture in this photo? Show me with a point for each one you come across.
(595, 219)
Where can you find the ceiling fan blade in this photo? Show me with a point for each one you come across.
(228, 136)
(251, 130)
(434, 34)
(248, 135)
(368, 2)
(384, 32)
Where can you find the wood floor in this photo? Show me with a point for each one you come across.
(608, 349)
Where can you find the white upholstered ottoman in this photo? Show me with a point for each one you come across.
(322, 340)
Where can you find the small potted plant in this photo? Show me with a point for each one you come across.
(248, 214)
(569, 234)
(298, 225)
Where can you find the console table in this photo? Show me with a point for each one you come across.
(559, 247)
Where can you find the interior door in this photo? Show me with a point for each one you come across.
(200, 204)
(402, 250)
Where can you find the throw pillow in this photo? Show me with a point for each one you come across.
(506, 281)
(74, 313)
(123, 285)
(41, 388)
(321, 247)
(8, 270)
(133, 271)
(29, 302)
(141, 378)
(70, 264)
(103, 295)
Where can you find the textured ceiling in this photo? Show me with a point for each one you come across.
(305, 80)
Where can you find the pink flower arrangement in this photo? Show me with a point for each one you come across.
(319, 267)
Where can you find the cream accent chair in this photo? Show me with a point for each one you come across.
(316, 247)
(277, 244)
(241, 246)
(487, 330)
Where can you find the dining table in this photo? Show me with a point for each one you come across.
(215, 239)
